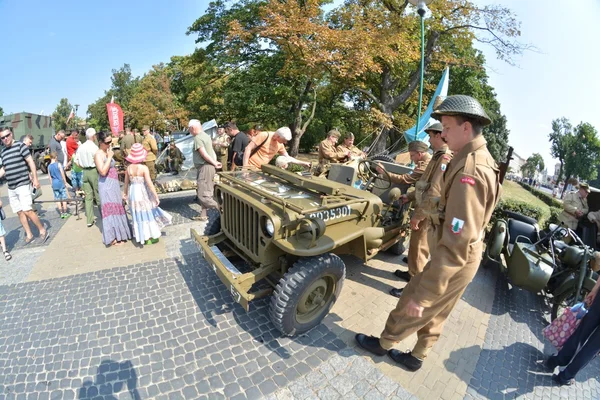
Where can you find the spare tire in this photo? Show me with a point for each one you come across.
(382, 157)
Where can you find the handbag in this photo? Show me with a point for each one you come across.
(563, 327)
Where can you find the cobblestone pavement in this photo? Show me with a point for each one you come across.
(181, 206)
(15, 234)
(510, 362)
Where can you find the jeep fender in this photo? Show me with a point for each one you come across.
(497, 240)
(569, 284)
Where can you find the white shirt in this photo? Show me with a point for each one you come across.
(85, 154)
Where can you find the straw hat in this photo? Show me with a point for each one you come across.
(137, 154)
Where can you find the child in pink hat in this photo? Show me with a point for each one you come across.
(147, 218)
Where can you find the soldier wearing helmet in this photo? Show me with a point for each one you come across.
(427, 190)
(419, 155)
(469, 193)
(348, 147)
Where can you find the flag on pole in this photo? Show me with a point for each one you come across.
(115, 118)
(72, 115)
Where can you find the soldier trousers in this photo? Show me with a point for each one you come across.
(429, 327)
(205, 179)
(90, 188)
(152, 168)
(418, 248)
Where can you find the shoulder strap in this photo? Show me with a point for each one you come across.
(260, 145)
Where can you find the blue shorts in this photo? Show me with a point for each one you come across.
(77, 179)
(60, 194)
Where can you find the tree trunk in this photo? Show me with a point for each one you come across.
(297, 127)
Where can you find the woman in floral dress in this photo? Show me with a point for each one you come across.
(147, 218)
(115, 227)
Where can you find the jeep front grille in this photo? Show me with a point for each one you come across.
(241, 221)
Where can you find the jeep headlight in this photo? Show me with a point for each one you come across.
(269, 228)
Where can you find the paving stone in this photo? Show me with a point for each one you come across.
(328, 393)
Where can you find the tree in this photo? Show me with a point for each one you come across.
(123, 86)
(560, 141)
(583, 154)
(533, 165)
(1, 112)
(154, 104)
(61, 113)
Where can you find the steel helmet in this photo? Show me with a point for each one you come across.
(437, 127)
(462, 105)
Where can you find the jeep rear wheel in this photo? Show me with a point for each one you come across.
(306, 293)
(213, 225)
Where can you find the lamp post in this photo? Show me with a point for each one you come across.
(75, 119)
(421, 10)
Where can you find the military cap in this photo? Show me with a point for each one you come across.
(334, 132)
(348, 135)
(437, 127)
(145, 128)
(584, 186)
(462, 105)
(135, 130)
(417, 145)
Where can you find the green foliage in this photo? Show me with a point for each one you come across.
(61, 113)
(533, 164)
(560, 138)
(583, 153)
(543, 216)
(1, 112)
(545, 197)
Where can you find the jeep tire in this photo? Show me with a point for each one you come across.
(213, 225)
(306, 293)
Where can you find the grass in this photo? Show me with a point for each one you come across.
(514, 191)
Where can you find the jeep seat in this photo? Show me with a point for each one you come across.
(524, 231)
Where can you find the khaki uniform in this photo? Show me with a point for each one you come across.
(354, 151)
(415, 175)
(328, 153)
(470, 191)
(426, 194)
(572, 203)
(126, 143)
(221, 146)
(175, 159)
(149, 144)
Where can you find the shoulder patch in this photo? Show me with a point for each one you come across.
(457, 225)
(467, 180)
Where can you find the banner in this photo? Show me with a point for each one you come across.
(115, 118)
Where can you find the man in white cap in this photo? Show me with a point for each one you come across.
(265, 145)
(85, 159)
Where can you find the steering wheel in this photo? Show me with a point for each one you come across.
(367, 169)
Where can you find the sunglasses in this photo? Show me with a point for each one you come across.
(5, 136)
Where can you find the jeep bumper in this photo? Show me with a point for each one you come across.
(237, 283)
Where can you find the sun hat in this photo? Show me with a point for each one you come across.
(137, 154)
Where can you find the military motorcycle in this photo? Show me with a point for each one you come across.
(543, 262)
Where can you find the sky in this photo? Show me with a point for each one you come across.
(55, 49)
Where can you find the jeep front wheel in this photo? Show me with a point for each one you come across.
(306, 293)
(213, 225)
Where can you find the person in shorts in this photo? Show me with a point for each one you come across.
(76, 174)
(59, 185)
(20, 172)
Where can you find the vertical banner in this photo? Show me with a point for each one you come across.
(115, 118)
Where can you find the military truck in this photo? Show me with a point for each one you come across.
(38, 126)
(289, 229)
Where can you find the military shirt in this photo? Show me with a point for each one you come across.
(572, 203)
(149, 144)
(415, 175)
(354, 151)
(221, 143)
(329, 153)
(126, 143)
(470, 192)
(428, 187)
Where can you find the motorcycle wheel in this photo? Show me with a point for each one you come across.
(566, 300)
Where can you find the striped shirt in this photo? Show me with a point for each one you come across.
(15, 166)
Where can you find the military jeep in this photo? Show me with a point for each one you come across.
(290, 230)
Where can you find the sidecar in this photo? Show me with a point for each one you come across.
(512, 244)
